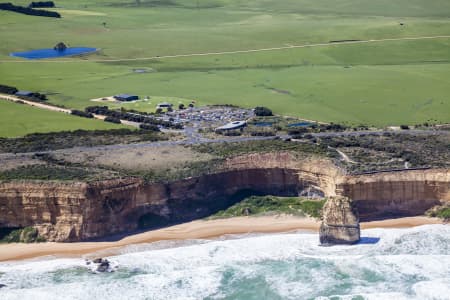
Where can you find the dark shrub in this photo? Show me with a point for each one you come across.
(8, 89)
(82, 114)
(297, 131)
(29, 11)
(42, 4)
(149, 127)
(112, 120)
(261, 111)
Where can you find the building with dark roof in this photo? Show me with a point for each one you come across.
(126, 97)
(164, 105)
(24, 93)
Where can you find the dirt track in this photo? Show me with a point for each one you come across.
(234, 52)
(36, 104)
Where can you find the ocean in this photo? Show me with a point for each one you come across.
(398, 264)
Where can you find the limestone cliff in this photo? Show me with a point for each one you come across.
(396, 194)
(340, 222)
(73, 211)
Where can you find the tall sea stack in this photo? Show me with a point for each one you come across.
(340, 224)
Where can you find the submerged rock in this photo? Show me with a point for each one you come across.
(340, 223)
(98, 260)
(2, 285)
(101, 265)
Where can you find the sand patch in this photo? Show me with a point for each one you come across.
(193, 230)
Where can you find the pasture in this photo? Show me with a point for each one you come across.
(20, 119)
(383, 82)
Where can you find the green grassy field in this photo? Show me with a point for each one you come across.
(378, 83)
(18, 119)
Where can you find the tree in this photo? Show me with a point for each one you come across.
(261, 111)
(112, 120)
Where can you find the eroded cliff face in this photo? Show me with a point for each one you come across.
(80, 211)
(395, 194)
(55, 209)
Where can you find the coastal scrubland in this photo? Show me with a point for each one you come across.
(364, 154)
(391, 80)
(271, 205)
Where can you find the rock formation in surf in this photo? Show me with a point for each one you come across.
(340, 224)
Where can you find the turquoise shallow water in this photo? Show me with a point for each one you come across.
(404, 264)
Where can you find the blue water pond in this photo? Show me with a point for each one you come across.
(302, 124)
(51, 53)
(263, 124)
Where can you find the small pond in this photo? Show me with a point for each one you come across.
(301, 124)
(51, 53)
(263, 124)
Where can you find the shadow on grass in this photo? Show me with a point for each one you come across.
(368, 240)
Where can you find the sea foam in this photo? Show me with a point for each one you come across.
(404, 264)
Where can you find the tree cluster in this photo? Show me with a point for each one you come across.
(112, 120)
(150, 127)
(29, 11)
(261, 111)
(36, 97)
(5, 89)
(132, 116)
(42, 4)
(81, 113)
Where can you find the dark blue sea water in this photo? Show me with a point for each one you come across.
(51, 53)
(398, 264)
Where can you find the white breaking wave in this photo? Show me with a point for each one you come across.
(404, 264)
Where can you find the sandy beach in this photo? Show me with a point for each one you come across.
(200, 229)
